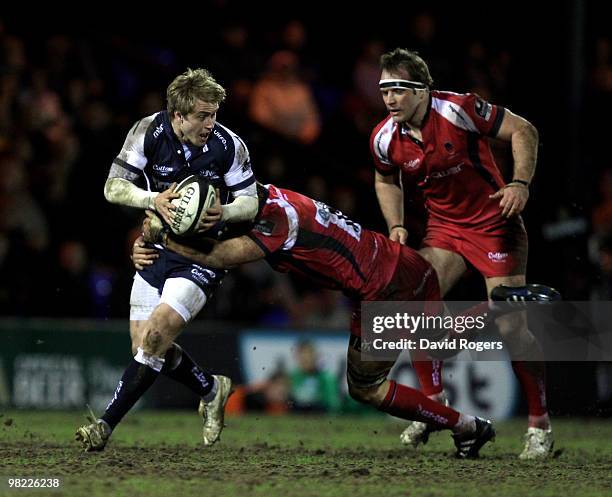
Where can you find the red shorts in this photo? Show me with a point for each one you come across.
(414, 279)
(493, 251)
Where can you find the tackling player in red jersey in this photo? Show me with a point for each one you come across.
(298, 234)
(438, 140)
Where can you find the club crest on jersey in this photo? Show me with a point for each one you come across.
(412, 164)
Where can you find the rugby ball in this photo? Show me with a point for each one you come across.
(197, 195)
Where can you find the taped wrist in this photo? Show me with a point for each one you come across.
(121, 191)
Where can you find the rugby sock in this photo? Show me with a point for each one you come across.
(428, 371)
(136, 380)
(405, 402)
(182, 368)
(532, 377)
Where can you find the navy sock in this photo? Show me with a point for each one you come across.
(187, 372)
(136, 380)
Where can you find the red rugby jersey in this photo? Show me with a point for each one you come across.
(453, 164)
(307, 237)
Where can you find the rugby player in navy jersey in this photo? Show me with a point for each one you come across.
(159, 151)
(437, 140)
(301, 235)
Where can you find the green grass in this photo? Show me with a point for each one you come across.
(159, 454)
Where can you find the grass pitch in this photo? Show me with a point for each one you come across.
(159, 454)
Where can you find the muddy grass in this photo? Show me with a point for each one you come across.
(159, 454)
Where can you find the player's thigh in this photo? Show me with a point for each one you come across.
(181, 300)
(144, 298)
(449, 266)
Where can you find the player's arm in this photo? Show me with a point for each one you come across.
(391, 200)
(223, 255)
(524, 139)
(120, 187)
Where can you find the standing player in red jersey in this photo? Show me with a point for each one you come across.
(297, 234)
(438, 140)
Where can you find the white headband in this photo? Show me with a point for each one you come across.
(385, 84)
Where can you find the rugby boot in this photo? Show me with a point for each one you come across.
(95, 435)
(213, 412)
(469, 444)
(538, 444)
(528, 293)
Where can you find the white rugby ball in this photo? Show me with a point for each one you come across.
(197, 195)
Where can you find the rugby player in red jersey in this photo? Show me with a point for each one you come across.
(298, 234)
(438, 140)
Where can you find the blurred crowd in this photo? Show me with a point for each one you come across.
(305, 104)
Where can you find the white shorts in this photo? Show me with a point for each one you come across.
(183, 295)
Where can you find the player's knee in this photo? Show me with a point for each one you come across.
(370, 395)
(359, 394)
(154, 341)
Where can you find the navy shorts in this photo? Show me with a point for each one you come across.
(172, 265)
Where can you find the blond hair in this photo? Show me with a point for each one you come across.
(192, 85)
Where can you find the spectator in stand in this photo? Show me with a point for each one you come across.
(283, 103)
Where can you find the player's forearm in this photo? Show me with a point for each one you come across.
(212, 259)
(123, 192)
(391, 201)
(243, 208)
(525, 152)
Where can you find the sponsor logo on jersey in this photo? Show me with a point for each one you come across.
(205, 148)
(497, 256)
(221, 138)
(202, 275)
(246, 168)
(412, 164)
(208, 174)
(158, 131)
(265, 227)
(162, 170)
(483, 108)
(450, 171)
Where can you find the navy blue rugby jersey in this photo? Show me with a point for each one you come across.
(153, 158)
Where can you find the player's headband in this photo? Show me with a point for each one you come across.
(386, 84)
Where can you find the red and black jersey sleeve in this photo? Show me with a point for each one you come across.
(486, 117)
(271, 230)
